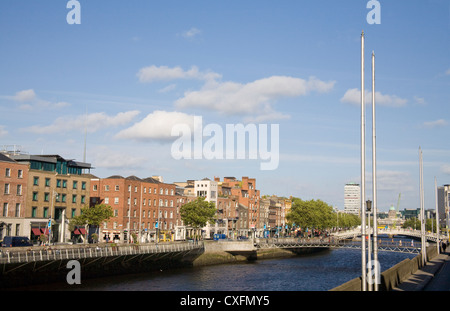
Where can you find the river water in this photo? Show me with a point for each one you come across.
(316, 272)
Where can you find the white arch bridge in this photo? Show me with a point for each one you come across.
(406, 245)
(349, 234)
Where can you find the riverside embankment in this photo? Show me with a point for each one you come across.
(393, 277)
(226, 252)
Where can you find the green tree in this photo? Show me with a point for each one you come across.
(311, 214)
(198, 213)
(92, 216)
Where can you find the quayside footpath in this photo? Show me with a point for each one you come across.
(434, 276)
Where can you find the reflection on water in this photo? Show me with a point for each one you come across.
(318, 272)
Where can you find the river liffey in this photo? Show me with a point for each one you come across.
(317, 272)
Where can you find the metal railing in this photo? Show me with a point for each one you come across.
(40, 253)
(405, 246)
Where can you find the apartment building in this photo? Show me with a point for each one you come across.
(444, 204)
(246, 198)
(142, 208)
(57, 190)
(352, 198)
(13, 189)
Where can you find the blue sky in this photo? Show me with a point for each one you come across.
(131, 70)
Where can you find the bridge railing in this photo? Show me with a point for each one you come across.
(33, 254)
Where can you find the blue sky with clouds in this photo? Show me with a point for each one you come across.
(132, 70)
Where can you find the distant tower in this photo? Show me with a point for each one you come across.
(352, 198)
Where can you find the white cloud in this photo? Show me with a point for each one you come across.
(189, 34)
(254, 98)
(353, 96)
(24, 96)
(437, 123)
(156, 126)
(164, 73)
(104, 157)
(93, 122)
(3, 132)
(446, 169)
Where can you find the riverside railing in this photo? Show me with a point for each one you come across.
(34, 254)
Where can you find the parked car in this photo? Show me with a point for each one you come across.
(14, 241)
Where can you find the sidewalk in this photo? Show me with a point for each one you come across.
(435, 276)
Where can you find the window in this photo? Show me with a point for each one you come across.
(6, 189)
(74, 198)
(46, 196)
(116, 200)
(116, 212)
(94, 188)
(106, 200)
(135, 201)
(106, 187)
(83, 199)
(167, 191)
(19, 174)
(63, 198)
(19, 189)
(8, 172)
(135, 188)
(75, 184)
(117, 188)
(64, 183)
(5, 210)
(58, 183)
(34, 211)
(45, 213)
(73, 212)
(17, 211)
(35, 196)
(83, 185)
(35, 181)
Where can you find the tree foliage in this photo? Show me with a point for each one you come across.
(92, 216)
(198, 213)
(318, 214)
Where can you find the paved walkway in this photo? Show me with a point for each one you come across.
(435, 276)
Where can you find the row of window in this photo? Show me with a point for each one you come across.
(161, 202)
(59, 197)
(117, 188)
(7, 189)
(60, 183)
(164, 225)
(8, 173)
(6, 209)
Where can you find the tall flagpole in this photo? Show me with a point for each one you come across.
(363, 167)
(437, 215)
(374, 180)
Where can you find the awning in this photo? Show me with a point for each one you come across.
(45, 231)
(36, 231)
(79, 231)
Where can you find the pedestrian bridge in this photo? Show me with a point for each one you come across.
(405, 246)
(349, 234)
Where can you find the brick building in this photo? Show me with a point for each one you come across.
(141, 206)
(13, 189)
